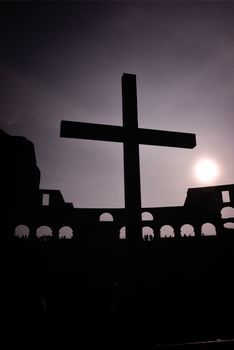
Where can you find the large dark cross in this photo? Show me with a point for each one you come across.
(131, 136)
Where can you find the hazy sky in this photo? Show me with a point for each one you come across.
(64, 60)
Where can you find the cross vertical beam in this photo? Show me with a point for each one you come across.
(132, 186)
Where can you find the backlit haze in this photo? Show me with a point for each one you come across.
(64, 61)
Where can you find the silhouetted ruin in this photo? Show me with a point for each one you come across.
(20, 176)
(74, 273)
(33, 212)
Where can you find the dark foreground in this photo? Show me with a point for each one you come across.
(155, 295)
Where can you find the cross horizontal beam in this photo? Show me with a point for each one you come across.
(87, 131)
(113, 133)
(166, 138)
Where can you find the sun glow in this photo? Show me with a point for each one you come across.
(206, 170)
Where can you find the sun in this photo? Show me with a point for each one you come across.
(206, 170)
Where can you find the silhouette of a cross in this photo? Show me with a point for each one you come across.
(131, 136)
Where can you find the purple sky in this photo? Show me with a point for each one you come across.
(65, 61)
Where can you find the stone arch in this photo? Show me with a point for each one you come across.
(147, 233)
(106, 217)
(122, 233)
(66, 232)
(146, 216)
(208, 229)
(22, 231)
(229, 225)
(227, 212)
(187, 230)
(44, 232)
(167, 231)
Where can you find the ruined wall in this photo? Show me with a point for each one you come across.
(32, 212)
(206, 212)
(20, 176)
